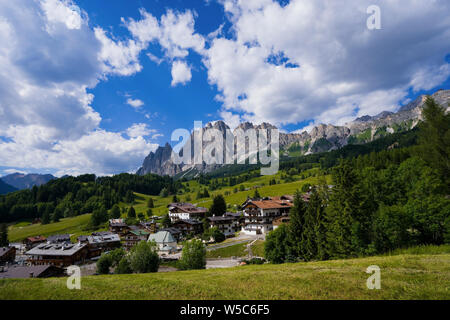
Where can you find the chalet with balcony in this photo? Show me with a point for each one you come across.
(58, 254)
(186, 211)
(118, 226)
(133, 237)
(228, 225)
(188, 226)
(259, 214)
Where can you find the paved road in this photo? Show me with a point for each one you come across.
(222, 263)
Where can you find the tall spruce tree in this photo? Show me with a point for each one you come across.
(312, 221)
(434, 139)
(296, 224)
(343, 230)
(219, 206)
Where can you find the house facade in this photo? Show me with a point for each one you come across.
(260, 214)
(118, 226)
(133, 237)
(58, 254)
(228, 225)
(185, 211)
(188, 226)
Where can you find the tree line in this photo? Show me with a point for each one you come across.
(72, 196)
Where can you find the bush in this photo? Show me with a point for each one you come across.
(116, 255)
(193, 255)
(144, 258)
(217, 235)
(103, 264)
(124, 267)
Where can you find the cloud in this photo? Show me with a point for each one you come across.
(181, 73)
(49, 58)
(119, 57)
(135, 103)
(316, 59)
(139, 130)
(175, 33)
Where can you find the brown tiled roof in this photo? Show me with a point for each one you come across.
(188, 207)
(36, 239)
(271, 204)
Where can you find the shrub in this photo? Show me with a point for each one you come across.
(124, 267)
(103, 264)
(193, 255)
(144, 258)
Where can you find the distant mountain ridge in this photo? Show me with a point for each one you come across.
(321, 138)
(26, 181)
(6, 188)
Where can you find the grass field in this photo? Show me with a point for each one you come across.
(404, 276)
(258, 248)
(73, 226)
(237, 250)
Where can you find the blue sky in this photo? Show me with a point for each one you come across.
(94, 86)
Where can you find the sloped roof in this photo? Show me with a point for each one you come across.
(161, 237)
(187, 207)
(25, 271)
(270, 204)
(47, 249)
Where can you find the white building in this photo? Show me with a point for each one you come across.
(259, 214)
(186, 211)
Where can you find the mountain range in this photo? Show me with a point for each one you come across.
(26, 181)
(321, 138)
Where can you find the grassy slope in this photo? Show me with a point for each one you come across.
(407, 276)
(74, 226)
(237, 250)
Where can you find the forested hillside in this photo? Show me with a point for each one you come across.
(378, 202)
(72, 196)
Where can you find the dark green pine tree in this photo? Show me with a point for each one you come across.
(256, 195)
(4, 235)
(219, 206)
(150, 203)
(115, 212)
(131, 213)
(46, 216)
(344, 232)
(434, 139)
(313, 218)
(297, 215)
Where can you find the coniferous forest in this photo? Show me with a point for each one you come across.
(378, 202)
